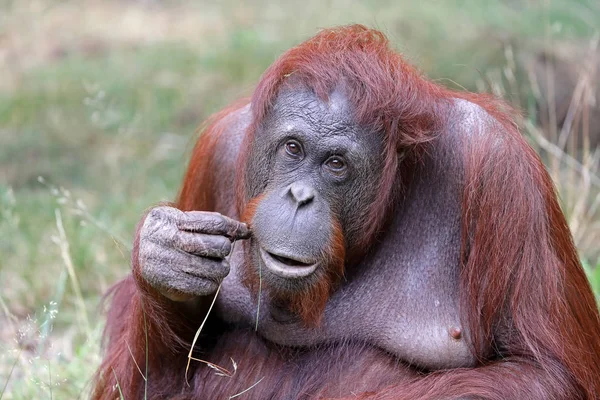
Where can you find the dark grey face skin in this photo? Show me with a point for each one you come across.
(311, 164)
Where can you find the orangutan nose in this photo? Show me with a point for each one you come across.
(301, 193)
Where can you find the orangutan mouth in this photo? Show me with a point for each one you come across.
(286, 266)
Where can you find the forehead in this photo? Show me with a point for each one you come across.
(299, 108)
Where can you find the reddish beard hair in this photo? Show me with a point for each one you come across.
(309, 302)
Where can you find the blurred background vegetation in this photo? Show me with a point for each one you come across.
(99, 101)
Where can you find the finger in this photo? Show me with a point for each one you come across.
(213, 223)
(170, 259)
(202, 245)
(205, 268)
(186, 284)
(167, 269)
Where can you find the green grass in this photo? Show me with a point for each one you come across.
(106, 112)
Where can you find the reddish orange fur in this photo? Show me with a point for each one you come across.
(250, 278)
(522, 285)
(250, 210)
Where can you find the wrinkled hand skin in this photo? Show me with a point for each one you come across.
(182, 254)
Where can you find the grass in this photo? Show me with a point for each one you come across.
(101, 100)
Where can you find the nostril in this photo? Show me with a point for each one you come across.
(301, 193)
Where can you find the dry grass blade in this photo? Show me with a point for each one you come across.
(581, 96)
(555, 151)
(244, 391)
(12, 320)
(259, 293)
(12, 368)
(222, 371)
(135, 362)
(63, 244)
(121, 397)
(190, 358)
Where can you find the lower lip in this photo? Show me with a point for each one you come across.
(286, 271)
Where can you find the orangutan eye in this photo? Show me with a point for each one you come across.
(293, 148)
(336, 164)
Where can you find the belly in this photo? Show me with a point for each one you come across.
(244, 361)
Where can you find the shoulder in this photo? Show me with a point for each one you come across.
(477, 120)
(221, 136)
(237, 117)
(207, 184)
(231, 127)
(230, 131)
(484, 127)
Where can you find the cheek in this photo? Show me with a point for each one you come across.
(357, 202)
(258, 170)
(337, 247)
(250, 209)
